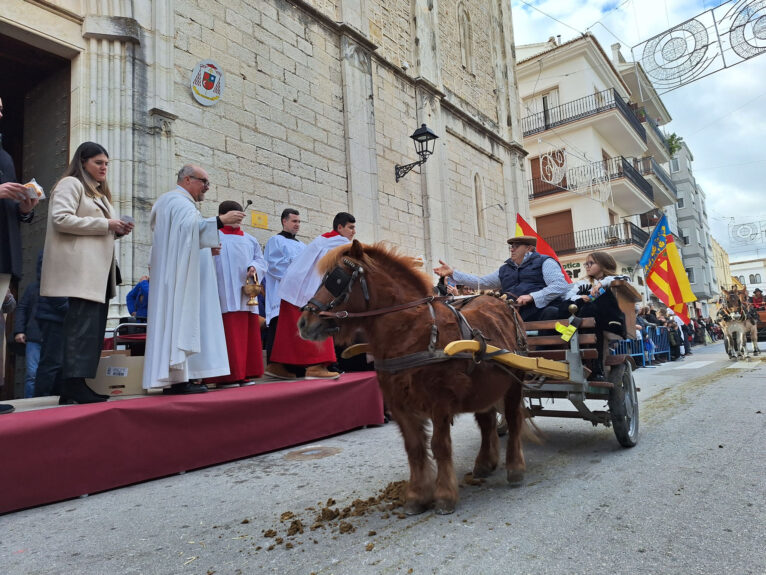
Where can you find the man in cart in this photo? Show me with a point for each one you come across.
(534, 280)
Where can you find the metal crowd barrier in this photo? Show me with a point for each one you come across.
(635, 347)
(659, 336)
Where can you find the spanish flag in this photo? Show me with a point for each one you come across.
(524, 229)
(668, 280)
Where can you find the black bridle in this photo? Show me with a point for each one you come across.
(339, 283)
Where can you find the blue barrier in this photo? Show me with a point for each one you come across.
(659, 337)
(636, 349)
(633, 348)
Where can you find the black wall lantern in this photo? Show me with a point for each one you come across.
(425, 141)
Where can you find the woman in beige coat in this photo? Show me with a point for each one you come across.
(78, 263)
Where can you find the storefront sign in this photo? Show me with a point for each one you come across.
(207, 82)
(573, 269)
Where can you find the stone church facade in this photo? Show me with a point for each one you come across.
(318, 103)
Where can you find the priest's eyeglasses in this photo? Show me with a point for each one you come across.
(205, 182)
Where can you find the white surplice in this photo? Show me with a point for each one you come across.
(238, 253)
(301, 280)
(185, 338)
(279, 254)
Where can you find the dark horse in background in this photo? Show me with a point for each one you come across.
(372, 289)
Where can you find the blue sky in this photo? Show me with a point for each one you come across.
(721, 117)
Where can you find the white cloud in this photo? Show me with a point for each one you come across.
(720, 117)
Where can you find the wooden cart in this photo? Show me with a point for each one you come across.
(555, 371)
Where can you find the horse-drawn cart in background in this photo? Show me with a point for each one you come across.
(555, 371)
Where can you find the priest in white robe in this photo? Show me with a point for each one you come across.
(280, 252)
(240, 260)
(299, 284)
(185, 339)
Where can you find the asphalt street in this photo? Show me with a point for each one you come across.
(688, 499)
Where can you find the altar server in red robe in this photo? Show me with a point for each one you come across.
(240, 258)
(299, 284)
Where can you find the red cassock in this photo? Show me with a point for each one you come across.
(291, 349)
(243, 342)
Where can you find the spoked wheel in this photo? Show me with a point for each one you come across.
(623, 404)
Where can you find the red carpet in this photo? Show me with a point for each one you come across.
(55, 454)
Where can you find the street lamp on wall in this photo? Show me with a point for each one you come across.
(425, 141)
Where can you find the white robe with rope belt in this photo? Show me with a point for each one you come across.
(185, 338)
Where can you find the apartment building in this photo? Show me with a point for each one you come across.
(694, 231)
(595, 167)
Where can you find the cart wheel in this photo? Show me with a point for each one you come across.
(623, 404)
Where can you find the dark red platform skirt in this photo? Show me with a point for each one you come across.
(243, 342)
(291, 349)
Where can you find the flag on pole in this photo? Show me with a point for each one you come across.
(524, 229)
(668, 280)
(656, 244)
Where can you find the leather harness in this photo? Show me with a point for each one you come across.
(340, 284)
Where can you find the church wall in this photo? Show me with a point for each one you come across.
(475, 85)
(277, 136)
(400, 204)
(281, 133)
(471, 252)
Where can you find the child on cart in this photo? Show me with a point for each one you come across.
(593, 299)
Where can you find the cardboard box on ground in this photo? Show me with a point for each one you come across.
(118, 374)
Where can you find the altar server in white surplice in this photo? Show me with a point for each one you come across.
(280, 252)
(240, 258)
(185, 339)
(299, 284)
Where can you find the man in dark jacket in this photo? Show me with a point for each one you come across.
(535, 281)
(15, 206)
(27, 332)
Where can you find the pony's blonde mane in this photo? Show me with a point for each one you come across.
(380, 257)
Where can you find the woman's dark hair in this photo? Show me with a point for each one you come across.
(82, 154)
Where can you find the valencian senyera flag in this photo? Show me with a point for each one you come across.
(664, 271)
(524, 229)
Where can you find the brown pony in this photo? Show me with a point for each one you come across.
(372, 289)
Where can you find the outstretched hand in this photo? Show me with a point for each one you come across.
(443, 270)
(233, 217)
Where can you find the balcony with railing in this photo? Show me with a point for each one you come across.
(624, 236)
(595, 105)
(665, 191)
(658, 144)
(630, 189)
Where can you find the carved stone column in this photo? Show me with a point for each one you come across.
(359, 119)
(103, 113)
(353, 13)
(434, 176)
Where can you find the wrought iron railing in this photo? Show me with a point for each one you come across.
(655, 128)
(620, 167)
(613, 168)
(649, 166)
(624, 234)
(582, 108)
